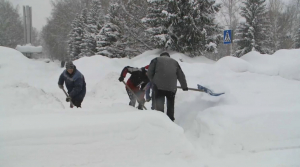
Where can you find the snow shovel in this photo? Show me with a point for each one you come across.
(134, 95)
(205, 90)
(71, 104)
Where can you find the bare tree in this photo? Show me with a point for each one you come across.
(55, 33)
(289, 21)
(230, 13)
(230, 19)
(275, 8)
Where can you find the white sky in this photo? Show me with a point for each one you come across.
(41, 9)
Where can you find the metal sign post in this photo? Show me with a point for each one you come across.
(227, 38)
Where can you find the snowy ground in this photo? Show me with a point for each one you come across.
(256, 123)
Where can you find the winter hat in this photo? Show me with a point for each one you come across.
(165, 54)
(70, 65)
(146, 67)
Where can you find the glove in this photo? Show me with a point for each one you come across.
(185, 89)
(61, 86)
(121, 79)
(68, 99)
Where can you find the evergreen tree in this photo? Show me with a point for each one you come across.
(95, 19)
(110, 40)
(253, 34)
(194, 28)
(158, 24)
(89, 44)
(73, 49)
(184, 26)
(93, 26)
(83, 34)
(76, 45)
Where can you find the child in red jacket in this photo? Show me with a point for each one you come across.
(136, 82)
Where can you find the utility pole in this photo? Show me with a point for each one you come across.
(27, 16)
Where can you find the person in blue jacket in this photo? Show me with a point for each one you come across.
(75, 84)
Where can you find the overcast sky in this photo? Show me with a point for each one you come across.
(41, 9)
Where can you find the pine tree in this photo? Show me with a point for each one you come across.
(194, 29)
(74, 48)
(156, 20)
(110, 40)
(94, 24)
(95, 17)
(184, 26)
(297, 42)
(83, 35)
(76, 44)
(253, 34)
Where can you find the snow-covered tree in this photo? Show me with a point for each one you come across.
(94, 23)
(109, 39)
(254, 33)
(95, 17)
(158, 24)
(184, 26)
(195, 30)
(76, 44)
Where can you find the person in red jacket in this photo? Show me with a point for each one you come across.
(136, 82)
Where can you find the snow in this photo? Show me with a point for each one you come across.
(284, 63)
(255, 123)
(233, 63)
(28, 48)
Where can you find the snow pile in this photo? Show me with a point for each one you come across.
(29, 49)
(255, 123)
(284, 63)
(234, 64)
(119, 139)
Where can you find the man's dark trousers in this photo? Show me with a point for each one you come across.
(160, 101)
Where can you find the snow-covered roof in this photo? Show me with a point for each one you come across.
(29, 49)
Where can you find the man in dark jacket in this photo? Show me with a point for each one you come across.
(163, 73)
(137, 81)
(75, 84)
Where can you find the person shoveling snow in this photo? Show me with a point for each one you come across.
(75, 84)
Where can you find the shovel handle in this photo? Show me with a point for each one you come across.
(193, 89)
(68, 96)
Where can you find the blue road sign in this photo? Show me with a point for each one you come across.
(227, 37)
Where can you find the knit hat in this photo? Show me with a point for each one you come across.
(146, 67)
(70, 65)
(165, 54)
